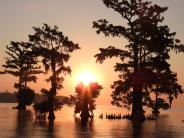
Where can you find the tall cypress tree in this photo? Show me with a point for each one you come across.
(22, 63)
(54, 48)
(146, 54)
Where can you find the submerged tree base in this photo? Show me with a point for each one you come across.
(51, 116)
(84, 122)
(20, 107)
(155, 112)
(137, 117)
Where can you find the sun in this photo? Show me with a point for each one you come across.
(86, 77)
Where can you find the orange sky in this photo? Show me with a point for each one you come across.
(74, 18)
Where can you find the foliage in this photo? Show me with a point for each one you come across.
(165, 84)
(145, 58)
(159, 103)
(54, 49)
(85, 96)
(21, 62)
(26, 96)
(44, 105)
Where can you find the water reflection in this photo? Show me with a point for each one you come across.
(161, 128)
(84, 129)
(24, 123)
(20, 124)
(44, 128)
(51, 126)
(41, 123)
(165, 128)
(136, 129)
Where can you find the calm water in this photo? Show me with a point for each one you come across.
(23, 125)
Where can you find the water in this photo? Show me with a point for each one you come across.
(14, 124)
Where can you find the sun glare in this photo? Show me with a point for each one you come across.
(86, 77)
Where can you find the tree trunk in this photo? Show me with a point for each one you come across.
(53, 89)
(138, 82)
(155, 109)
(85, 111)
(84, 117)
(51, 110)
(137, 110)
(21, 106)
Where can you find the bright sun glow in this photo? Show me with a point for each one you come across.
(86, 77)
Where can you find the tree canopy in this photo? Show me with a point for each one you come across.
(21, 62)
(145, 58)
(86, 95)
(54, 49)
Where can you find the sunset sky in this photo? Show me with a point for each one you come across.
(74, 18)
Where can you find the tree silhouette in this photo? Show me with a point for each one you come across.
(145, 55)
(84, 100)
(22, 63)
(26, 96)
(55, 49)
(165, 84)
(43, 107)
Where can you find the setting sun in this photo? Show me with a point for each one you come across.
(86, 77)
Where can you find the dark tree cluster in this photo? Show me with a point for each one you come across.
(43, 107)
(49, 46)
